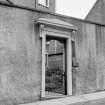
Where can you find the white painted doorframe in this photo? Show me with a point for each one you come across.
(68, 59)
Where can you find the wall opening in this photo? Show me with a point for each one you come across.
(56, 73)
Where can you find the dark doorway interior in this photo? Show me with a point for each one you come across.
(55, 66)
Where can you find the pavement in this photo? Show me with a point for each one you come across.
(95, 102)
(97, 98)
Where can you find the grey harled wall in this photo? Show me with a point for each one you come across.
(20, 56)
(97, 13)
(26, 3)
(34, 4)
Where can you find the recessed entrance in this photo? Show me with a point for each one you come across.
(56, 73)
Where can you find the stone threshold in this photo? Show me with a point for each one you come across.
(72, 99)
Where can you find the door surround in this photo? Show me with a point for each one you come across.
(59, 29)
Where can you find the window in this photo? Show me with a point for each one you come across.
(44, 2)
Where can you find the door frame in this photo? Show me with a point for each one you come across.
(68, 60)
(59, 29)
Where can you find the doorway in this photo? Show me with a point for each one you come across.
(55, 73)
(59, 57)
(57, 30)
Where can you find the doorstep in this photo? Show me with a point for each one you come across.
(77, 100)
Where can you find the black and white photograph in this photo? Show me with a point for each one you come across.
(52, 52)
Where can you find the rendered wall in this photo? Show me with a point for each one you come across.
(97, 13)
(26, 3)
(20, 56)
